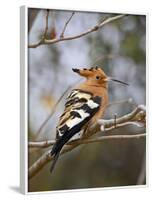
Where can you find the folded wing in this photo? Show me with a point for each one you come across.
(80, 107)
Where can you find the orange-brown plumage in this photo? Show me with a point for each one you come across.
(98, 87)
(84, 106)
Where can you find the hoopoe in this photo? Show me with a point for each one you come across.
(84, 106)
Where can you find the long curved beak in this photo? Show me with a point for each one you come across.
(115, 80)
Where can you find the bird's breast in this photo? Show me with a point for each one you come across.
(101, 92)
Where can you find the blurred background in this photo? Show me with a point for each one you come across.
(119, 48)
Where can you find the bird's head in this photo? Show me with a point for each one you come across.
(96, 76)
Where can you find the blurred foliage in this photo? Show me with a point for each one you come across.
(131, 48)
(119, 47)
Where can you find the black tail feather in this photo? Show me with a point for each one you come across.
(55, 152)
(56, 156)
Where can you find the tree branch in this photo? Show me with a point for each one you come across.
(46, 157)
(44, 41)
(136, 117)
(106, 125)
(46, 25)
(54, 108)
(66, 24)
(137, 114)
(47, 143)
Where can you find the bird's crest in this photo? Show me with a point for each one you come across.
(97, 76)
(88, 72)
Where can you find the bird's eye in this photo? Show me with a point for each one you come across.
(97, 77)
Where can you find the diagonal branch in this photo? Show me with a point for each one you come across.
(46, 157)
(136, 117)
(91, 30)
(106, 125)
(54, 108)
(46, 25)
(51, 114)
(47, 143)
(66, 24)
(137, 114)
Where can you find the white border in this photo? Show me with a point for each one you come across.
(147, 101)
(62, 8)
(24, 98)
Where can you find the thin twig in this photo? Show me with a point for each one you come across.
(66, 24)
(115, 120)
(109, 137)
(93, 29)
(125, 118)
(51, 114)
(103, 57)
(46, 25)
(47, 143)
(54, 108)
(41, 144)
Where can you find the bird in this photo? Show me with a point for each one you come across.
(85, 104)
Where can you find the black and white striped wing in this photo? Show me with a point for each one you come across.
(80, 107)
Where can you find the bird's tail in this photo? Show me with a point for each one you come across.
(56, 156)
(55, 152)
(56, 149)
